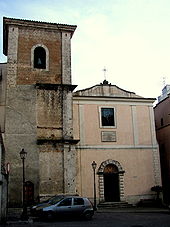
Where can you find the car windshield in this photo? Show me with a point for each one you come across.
(55, 199)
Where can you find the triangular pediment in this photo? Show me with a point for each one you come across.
(105, 89)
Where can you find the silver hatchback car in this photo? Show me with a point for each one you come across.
(70, 206)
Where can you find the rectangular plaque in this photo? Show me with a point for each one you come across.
(108, 136)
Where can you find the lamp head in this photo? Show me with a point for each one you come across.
(94, 164)
(23, 154)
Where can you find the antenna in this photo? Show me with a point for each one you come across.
(164, 81)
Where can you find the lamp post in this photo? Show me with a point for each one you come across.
(94, 165)
(23, 155)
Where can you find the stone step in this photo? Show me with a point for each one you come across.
(111, 205)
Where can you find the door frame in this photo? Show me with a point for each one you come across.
(100, 173)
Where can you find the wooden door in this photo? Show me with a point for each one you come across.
(111, 184)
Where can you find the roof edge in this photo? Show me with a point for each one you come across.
(85, 89)
(114, 97)
(17, 21)
(31, 23)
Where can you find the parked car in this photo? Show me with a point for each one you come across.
(34, 209)
(70, 206)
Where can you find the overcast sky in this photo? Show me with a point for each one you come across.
(131, 38)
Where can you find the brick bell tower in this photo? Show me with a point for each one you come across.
(38, 114)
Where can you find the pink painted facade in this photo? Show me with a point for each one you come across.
(127, 150)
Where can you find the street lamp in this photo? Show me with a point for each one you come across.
(23, 155)
(94, 165)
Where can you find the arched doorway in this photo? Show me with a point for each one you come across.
(111, 183)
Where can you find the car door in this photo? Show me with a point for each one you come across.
(64, 207)
(78, 206)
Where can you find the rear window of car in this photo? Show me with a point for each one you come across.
(78, 201)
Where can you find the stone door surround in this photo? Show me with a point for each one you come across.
(100, 173)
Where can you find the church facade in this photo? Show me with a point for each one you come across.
(64, 131)
(116, 129)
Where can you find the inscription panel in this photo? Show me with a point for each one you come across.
(108, 136)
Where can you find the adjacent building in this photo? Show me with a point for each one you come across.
(162, 121)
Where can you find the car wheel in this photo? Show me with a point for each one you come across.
(88, 215)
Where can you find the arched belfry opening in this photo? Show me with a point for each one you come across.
(39, 58)
(111, 182)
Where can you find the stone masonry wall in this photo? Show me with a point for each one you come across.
(49, 114)
(20, 125)
(2, 95)
(29, 37)
(39, 111)
(20, 132)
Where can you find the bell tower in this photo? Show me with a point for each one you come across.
(39, 106)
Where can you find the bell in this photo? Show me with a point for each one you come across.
(39, 61)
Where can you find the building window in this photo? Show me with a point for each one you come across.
(107, 117)
(39, 58)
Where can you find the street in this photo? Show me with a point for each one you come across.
(108, 219)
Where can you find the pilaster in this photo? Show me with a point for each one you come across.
(134, 124)
(12, 56)
(69, 169)
(67, 114)
(66, 58)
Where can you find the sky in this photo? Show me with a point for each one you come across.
(129, 38)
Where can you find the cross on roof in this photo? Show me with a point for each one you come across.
(104, 70)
